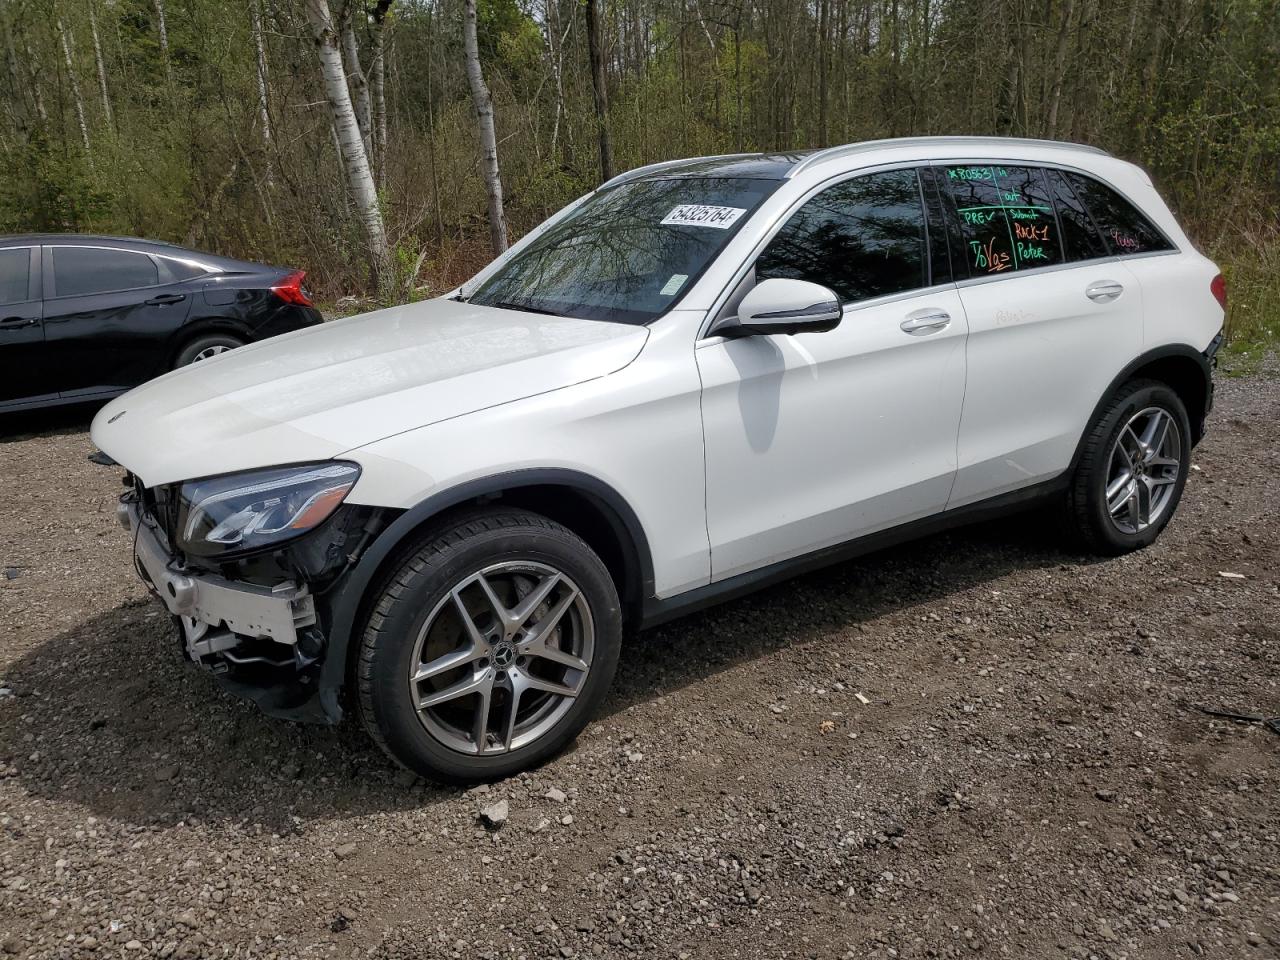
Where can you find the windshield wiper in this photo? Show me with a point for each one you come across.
(512, 305)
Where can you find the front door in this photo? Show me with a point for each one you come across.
(819, 438)
(24, 374)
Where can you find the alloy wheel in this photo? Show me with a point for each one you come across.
(211, 351)
(1143, 470)
(502, 657)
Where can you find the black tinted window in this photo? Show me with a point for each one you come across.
(82, 270)
(15, 273)
(1007, 218)
(1080, 238)
(175, 270)
(862, 238)
(1124, 228)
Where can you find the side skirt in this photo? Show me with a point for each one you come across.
(660, 610)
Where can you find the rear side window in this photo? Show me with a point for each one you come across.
(1080, 238)
(1125, 230)
(1007, 217)
(862, 238)
(79, 271)
(15, 274)
(173, 271)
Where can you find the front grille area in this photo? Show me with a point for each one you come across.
(161, 505)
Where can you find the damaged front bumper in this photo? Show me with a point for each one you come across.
(264, 643)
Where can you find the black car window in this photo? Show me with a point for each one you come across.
(1080, 238)
(175, 271)
(79, 271)
(862, 238)
(1124, 228)
(15, 275)
(1007, 217)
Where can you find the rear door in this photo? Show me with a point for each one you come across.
(109, 314)
(24, 372)
(1052, 319)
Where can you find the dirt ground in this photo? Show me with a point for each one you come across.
(975, 745)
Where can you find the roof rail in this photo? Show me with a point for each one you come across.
(652, 168)
(850, 149)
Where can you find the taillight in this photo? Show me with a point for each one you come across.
(290, 290)
(1218, 287)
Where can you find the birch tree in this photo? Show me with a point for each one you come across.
(355, 161)
(488, 137)
(102, 68)
(77, 100)
(378, 83)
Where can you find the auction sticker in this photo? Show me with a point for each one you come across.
(701, 215)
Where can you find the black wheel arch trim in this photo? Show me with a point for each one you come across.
(1165, 352)
(346, 599)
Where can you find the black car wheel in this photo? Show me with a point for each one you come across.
(202, 348)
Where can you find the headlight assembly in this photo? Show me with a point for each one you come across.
(260, 508)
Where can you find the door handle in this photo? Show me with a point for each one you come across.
(926, 321)
(1104, 291)
(13, 323)
(164, 298)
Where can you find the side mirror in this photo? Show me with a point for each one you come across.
(780, 305)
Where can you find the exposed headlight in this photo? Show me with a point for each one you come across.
(247, 511)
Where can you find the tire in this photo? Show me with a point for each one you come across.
(416, 626)
(1161, 470)
(210, 344)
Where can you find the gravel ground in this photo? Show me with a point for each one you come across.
(973, 745)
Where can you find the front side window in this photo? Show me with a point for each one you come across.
(862, 238)
(1007, 218)
(627, 253)
(15, 274)
(1125, 229)
(80, 271)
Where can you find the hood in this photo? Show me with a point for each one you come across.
(324, 390)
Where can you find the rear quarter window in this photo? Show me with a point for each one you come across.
(1125, 230)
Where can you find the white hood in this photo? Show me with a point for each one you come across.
(319, 392)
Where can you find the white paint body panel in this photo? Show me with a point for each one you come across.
(733, 455)
(818, 438)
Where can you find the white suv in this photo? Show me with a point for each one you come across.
(703, 377)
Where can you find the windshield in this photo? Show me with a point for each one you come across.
(627, 254)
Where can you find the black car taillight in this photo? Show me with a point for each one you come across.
(291, 290)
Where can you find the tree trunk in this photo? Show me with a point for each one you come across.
(355, 161)
(488, 137)
(596, 53)
(379, 70)
(102, 69)
(1059, 67)
(163, 29)
(358, 82)
(77, 100)
(264, 114)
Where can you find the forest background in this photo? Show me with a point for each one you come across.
(389, 146)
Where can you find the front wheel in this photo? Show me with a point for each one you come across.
(1131, 471)
(489, 648)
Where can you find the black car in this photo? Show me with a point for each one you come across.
(85, 318)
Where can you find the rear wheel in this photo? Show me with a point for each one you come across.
(489, 648)
(209, 345)
(1131, 472)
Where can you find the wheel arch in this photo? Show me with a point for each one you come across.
(1186, 371)
(588, 506)
(198, 327)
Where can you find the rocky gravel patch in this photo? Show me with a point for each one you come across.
(974, 745)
